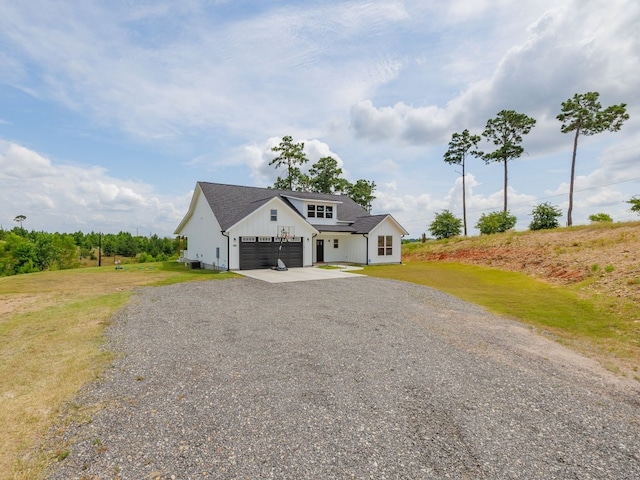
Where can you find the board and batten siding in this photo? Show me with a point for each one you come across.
(357, 249)
(385, 228)
(204, 235)
(259, 224)
(350, 249)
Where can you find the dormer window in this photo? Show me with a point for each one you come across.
(328, 211)
(319, 211)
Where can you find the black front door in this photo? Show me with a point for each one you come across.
(320, 251)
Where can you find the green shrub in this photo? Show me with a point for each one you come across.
(600, 217)
(145, 257)
(445, 225)
(545, 216)
(495, 222)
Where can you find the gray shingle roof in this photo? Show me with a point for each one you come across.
(231, 203)
(368, 223)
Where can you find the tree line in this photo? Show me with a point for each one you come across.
(582, 114)
(23, 251)
(324, 176)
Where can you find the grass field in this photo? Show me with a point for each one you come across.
(589, 325)
(51, 329)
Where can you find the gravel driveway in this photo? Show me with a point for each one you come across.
(351, 378)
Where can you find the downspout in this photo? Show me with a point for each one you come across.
(366, 235)
(228, 249)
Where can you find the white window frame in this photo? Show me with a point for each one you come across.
(385, 245)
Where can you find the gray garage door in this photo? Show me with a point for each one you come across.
(262, 252)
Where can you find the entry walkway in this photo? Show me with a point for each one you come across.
(301, 274)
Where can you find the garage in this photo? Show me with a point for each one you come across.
(262, 252)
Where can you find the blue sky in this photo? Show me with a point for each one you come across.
(110, 112)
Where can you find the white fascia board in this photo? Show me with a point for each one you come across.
(313, 200)
(336, 234)
(192, 206)
(394, 222)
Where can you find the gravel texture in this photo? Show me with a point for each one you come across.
(336, 379)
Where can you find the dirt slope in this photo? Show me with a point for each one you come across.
(602, 259)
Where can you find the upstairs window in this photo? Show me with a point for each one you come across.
(274, 215)
(319, 211)
(328, 211)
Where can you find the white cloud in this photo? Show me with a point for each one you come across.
(195, 73)
(383, 83)
(19, 163)
(258, 156)
(580, 45)
(66, 198)
(35, 201)
(315, 150)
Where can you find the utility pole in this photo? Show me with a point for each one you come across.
(100, 249)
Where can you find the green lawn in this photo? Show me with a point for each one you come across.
(585, 324)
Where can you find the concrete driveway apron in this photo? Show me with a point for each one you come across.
(300, 274)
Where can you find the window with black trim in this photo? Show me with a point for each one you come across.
(335, 243)
(319, 211)
(274, 215)
(385, 245)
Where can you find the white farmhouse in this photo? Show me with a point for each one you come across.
(240, 228)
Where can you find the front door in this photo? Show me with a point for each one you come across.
(320, 251)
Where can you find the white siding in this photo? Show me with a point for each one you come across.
(385, 228)
(357, 249)
(301, 206)
(204, 236)
(259, 224)
(351, 248)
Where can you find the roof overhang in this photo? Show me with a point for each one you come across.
(196, 193)
(395, 222)
(311, 200)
